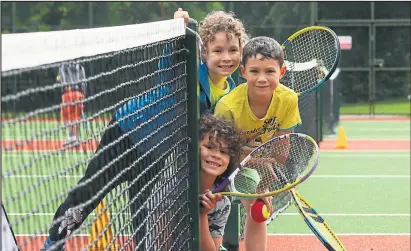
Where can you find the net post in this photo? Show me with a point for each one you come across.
(231, 240)
(320, 100)
(193, 113)
(232, 230)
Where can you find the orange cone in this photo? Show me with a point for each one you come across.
(341, 139)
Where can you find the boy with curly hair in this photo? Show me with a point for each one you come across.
(219, 152)
(223, 37)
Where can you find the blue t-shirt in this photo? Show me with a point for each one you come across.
(151, 110)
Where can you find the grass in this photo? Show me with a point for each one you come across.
(397, 107)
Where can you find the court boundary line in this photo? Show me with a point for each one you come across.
(320, 176)
(346, 234)
(361, 176)
(363, 150)
(282, 214)
(388, 153)
(268, 234)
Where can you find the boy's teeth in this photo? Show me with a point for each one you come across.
(213, 164)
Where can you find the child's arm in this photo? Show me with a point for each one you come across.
(208, 202)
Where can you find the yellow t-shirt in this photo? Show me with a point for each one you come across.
(282, 113)
(216, 93)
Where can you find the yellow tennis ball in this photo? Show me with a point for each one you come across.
(266, 213)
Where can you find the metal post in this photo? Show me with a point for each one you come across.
(13, 17)
(90, 15)
(370, 70)
(314, 13)
(371, 58)
(193, 113)
(333, 101)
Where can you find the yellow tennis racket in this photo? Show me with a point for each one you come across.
(273, 167)
(316, 223)
(311, 56)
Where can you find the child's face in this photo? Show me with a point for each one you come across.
(223, 55)
(263, 75)
(214, 156)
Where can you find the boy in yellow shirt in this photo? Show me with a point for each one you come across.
(261, 109)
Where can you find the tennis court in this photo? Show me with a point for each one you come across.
(363, 193)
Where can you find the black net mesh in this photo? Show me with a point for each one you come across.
(105, 166)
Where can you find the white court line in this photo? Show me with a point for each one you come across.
(382, 129)
(330, 153)
(314, 176)
(362, 176)
(348, 152)
(35, 214)
(36, 153)
(352, 215)
(41, 176)
(46, 235)
(373, 140)
(282, 214)
(346, 234)
(46, 214)
(277, 234)
(365, 176)
(381, 155)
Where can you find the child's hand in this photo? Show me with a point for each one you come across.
(180, 13)
(208, 201)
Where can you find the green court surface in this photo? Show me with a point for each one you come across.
(389, 129)
(355, 191)
(383, 107)
(46, 130)
(358, 192)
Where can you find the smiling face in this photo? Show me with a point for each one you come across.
(222, 55)
(214, 156)
(263, 75)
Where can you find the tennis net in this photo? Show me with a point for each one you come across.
(96, 127)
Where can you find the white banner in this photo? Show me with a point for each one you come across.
(345, 42)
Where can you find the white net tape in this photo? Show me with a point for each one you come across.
(25, 50)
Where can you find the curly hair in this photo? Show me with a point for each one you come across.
(222, 130)
(217, 21)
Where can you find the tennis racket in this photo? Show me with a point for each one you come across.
(293, 156)
(316, 223)
(311, 56)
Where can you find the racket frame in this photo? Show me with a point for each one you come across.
(271, 193)
(297, 196)
(337, 45)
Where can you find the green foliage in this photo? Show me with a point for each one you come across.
(44, 16)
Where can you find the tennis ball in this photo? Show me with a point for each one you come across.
(246, 181)
(259, 211)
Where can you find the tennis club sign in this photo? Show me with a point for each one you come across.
(345, 42)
